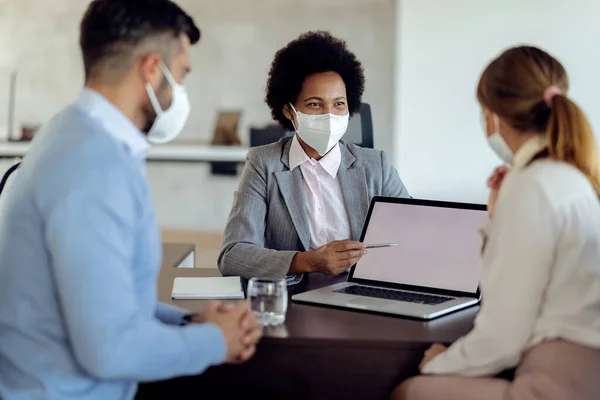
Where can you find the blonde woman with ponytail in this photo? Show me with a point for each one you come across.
(540, 312)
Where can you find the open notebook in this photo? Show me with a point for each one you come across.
(207, 288)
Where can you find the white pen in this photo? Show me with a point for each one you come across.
(380, 245)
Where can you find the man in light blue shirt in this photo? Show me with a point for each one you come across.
(80, 251)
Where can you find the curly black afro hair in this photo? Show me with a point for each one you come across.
(313, 52)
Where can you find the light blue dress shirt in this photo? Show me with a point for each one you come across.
(80, 253)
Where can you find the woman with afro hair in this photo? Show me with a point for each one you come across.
(301, 202)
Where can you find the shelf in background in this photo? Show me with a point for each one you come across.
(164, 153)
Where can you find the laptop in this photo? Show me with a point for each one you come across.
(427, 263)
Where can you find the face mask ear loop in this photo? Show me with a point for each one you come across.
(292, 120)
(496, 124)
(153, 99)
(167, 74)
(152, 93)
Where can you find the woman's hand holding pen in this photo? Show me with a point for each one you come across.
(331, 259)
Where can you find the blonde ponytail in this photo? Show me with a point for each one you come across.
(572, 140)
(526, 87)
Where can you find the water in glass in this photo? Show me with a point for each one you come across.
(268, 300)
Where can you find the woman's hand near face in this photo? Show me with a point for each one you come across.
(494, 183)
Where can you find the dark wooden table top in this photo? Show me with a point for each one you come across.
(321, 353)
(322, 323)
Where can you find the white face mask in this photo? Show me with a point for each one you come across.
(321, 132)
(498, 144)
(169, 122)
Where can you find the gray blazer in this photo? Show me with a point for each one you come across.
(268, 224)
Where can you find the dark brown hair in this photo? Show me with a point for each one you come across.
(513, 87)
(112, 29)
(311, 53)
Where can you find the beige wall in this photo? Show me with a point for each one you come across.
(38, 38)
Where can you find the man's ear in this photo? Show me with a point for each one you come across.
(151, 71)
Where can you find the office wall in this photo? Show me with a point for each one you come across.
(442, 47)
(38, 38)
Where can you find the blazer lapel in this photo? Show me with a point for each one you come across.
(291, 187)
(353, 182)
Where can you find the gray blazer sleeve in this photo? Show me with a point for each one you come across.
(242, 252)
(392, 184)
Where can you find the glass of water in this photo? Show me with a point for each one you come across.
(268, 300)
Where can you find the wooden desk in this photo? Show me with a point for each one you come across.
(332, 353)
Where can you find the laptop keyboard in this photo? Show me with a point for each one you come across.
(397, 295)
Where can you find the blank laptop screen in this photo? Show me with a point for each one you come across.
(437, 247)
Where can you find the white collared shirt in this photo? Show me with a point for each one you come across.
(325, 207)
(114, 121)
(541, 268)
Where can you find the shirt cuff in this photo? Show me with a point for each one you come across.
(217, 352)
(171, 315)
(447, 363)
(206, 344)
(456, 361)
(292, 280)
(435, 366)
